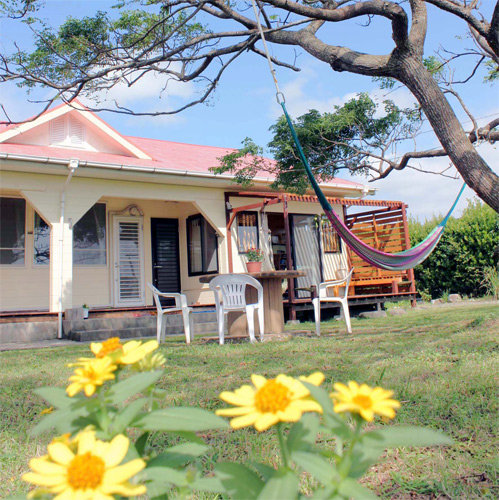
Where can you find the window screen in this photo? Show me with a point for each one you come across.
(89, 238)
(12, 231)
(41, 241)
(202, 246)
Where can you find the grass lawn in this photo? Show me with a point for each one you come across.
(440, 361)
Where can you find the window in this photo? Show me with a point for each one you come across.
(41, 241)
(247, 231)
(331, 242)
(12, 231)
(89, 238)
(202, 246)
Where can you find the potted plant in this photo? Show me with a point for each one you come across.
(255, 257)
(85, 311)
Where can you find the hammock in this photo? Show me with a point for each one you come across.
(377, 258)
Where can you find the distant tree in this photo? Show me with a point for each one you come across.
(197, 40)
(467, 249)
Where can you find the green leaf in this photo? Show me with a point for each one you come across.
(180, 419)
(321, 396)
(315, 464)
(303, 434)
(132, 385)
(404, 435)
(69, 419)
(284, 484)
(141, 443)
(352, 489)
(160, 479)
(265, 471)
(211, 484)
(179, 455)
(238, 481)
(55, 396)
(123, 417)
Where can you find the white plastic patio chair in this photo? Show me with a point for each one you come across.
(322, 296)
(180, 305)
(230, 295)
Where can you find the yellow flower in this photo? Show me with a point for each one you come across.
(91, 471)
(125, 354)
(46, 411)
(282, 399)
(153, 361)
(110, 346)
(364, 400)
(315, 378)
(91, 374)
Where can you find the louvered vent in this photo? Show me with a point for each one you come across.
(76, 132)
(58, 130)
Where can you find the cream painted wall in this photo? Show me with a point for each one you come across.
(29, 288)
(27, 284)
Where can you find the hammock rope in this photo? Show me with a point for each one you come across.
(399, 261)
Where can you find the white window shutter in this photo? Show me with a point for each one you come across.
(76, 132)
(58, 130)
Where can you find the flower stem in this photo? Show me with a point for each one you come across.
(282, 444)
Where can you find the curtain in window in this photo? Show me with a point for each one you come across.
(247, 231)
(12, 231)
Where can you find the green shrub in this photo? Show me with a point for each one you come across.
(470, 244)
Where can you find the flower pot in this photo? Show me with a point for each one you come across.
(253, 267)
(85, 313)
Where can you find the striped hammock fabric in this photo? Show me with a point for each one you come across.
(377, 258)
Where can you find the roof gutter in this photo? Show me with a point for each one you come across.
(363, 190)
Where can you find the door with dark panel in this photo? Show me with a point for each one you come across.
(165, 256)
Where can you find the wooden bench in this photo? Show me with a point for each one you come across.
(387, 280)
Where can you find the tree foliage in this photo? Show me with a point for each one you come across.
(347, 138)
(469, 246)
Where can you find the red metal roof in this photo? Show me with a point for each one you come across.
(166, 155)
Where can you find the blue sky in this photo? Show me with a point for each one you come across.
(244, 104)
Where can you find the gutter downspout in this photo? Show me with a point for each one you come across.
(72, 166)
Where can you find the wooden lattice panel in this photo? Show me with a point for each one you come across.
(384, 230)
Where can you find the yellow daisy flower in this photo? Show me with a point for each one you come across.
(125, 354)
(89, 375)
(364, 400)
(283, 399)
(91, 471)
(153, 361)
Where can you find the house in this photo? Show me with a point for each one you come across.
(89, 216)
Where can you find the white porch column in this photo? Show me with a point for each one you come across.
(47, 203)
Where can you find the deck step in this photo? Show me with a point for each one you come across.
(103, 334)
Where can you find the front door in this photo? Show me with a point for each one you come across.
(165, 255)
(128, 261)
(306, 251)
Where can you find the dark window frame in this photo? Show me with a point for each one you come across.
(252, 212)
(25, 246)
(203, 263)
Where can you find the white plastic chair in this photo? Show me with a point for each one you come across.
(323, 297)
(230, 295)
(180, 305)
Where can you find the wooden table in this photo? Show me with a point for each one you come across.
(272, 302)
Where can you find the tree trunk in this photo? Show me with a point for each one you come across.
(473, 168)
